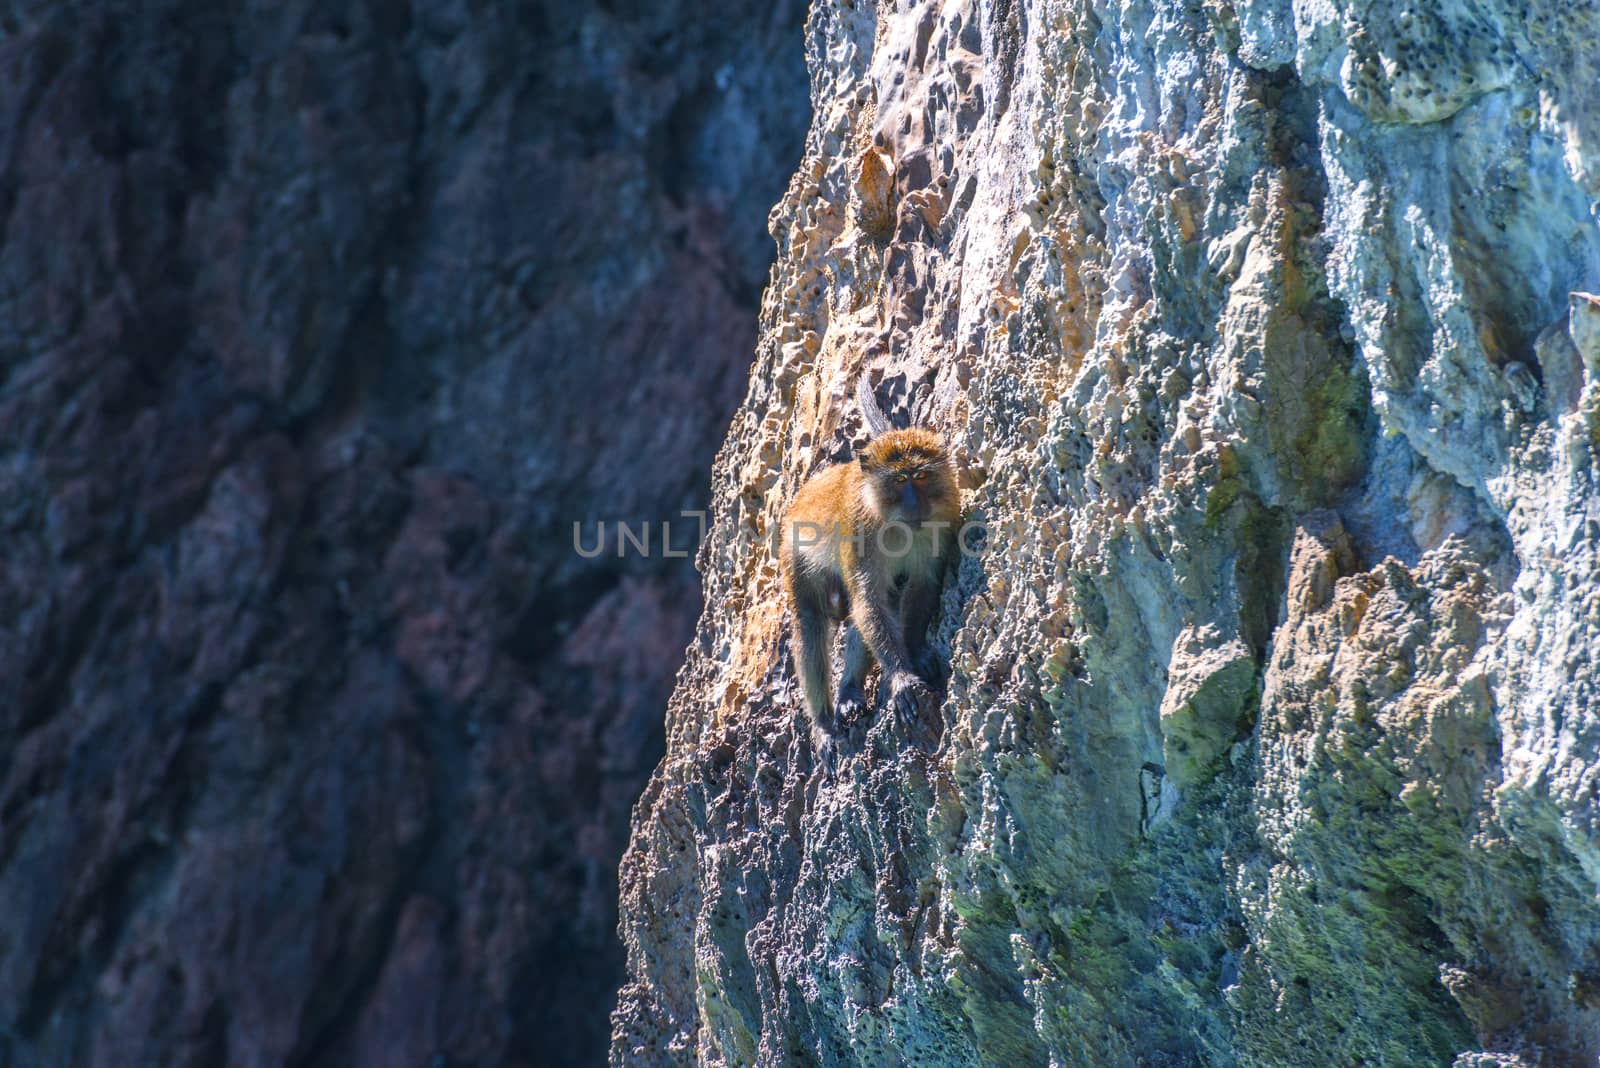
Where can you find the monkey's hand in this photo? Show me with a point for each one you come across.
(908, 694)
(850, 707)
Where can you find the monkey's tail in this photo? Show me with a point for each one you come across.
(867, 404)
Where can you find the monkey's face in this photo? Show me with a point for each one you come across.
(907, 477)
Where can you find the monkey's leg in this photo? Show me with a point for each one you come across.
(852, 702)
(811, 637)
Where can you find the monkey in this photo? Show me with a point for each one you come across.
(867, 543)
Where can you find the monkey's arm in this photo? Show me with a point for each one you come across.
(851, 700)
(919, 604)
(880, 629)
(885, 637)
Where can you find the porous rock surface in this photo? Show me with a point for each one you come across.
(1273, 735)
(321, 322)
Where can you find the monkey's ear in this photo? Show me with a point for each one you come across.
(865, 461)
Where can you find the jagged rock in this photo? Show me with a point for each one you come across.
(1273, 732)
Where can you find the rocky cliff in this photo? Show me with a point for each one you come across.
(1273, 733)
(320, 324)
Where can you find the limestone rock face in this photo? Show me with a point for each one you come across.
(1264, 337)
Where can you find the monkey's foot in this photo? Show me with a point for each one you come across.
(908, 694)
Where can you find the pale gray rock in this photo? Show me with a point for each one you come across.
(1273, 732)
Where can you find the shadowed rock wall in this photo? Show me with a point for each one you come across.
(320, 324)
(1273, 738)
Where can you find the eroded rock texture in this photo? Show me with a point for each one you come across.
(1274, 734)
(320, 324)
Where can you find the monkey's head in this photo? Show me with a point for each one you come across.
(906, 478)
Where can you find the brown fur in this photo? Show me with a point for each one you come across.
(871, 540)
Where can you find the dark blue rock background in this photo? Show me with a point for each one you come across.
(320, 324)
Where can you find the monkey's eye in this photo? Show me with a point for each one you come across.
(899, 478)
(920, 475)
